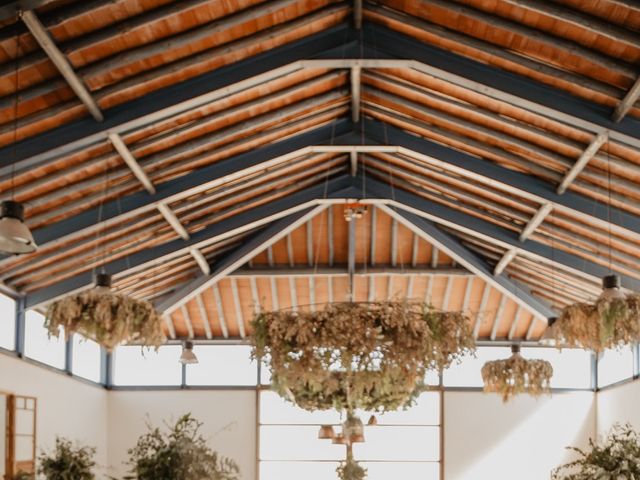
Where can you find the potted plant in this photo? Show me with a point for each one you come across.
(68, 462)
(617, 457)
(181, 453)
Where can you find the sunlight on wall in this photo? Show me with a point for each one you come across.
(523, 439)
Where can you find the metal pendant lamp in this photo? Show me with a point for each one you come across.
(15, 236)
(188, 357)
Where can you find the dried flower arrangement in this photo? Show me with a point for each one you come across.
(607, 323)
(106, 317)
(516, 375)
(371, 356)
(616, 458)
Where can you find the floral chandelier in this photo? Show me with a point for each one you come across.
(611, 321)
(106, 317)
(516, 375)
(370, 356)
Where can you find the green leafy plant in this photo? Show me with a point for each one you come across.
(24, 476)
(67, 462)
(372, 356)
(181, 453)
(617, 457)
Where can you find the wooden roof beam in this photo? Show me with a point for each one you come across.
(490, 173)
(583, 21)
(627, 102)
(209, 235)
(131, 161)
(582, 162)
(61, 62)
(12, 9)
(343, 271)
(492, 234)
(356, 87)
(173, 100)
(201, 261)
(357, 14)
(173, 220)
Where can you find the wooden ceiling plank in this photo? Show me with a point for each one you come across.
(498, 317)
(205, 317)
(583, 21)
(469, 260)
(220, 310)
(61, 62)
(514, 323)
(267, 237)
(238, 307)
(187, 320)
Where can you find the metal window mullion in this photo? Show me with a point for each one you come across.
(68, 355)
(20, 326)
(106, 368)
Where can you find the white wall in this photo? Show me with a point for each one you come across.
(619, 405)
(523, 439)
(229, 419)
(66, 407)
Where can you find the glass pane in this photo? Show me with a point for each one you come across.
(467, 373)
(571, 366)
(38, 345)
(297, 470)
(135, 366)
(7, 322)
(86, 358)
(410, 443)
(402, 470)
(276, 410)
(223, 365)
(614, 366)
(299, 442)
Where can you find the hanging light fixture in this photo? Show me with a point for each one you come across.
(516, 375)
(188, 357)
(326, 432)
(15, 236)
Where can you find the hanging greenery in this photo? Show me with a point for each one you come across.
(68, 462)
(106, 317)
(607, 323)
(351, 470)
(616, 458)
(181, 453)
(372, 356)
(516, 375)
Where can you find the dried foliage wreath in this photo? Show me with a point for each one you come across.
(371, 356)
(108, 318)
(516, 375)
(607, 323)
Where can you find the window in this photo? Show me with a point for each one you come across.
(134, 365)
(615, 366)
(290, 448)
(223, 365)
(39, 346)
(467, 373)
(571, 366)
(7, 322)
(86, 358)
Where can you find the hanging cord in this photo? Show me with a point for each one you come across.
(101, 227)
(609, 198)
(15, 114)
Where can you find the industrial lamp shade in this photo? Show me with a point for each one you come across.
(188, 357)
(612, 288)
(15, 236)
(326, 432)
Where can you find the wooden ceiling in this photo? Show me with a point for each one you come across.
(216, 139)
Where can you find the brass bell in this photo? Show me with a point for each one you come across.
(326, 432)
(372, 421)
(357, 438)
(340, 439)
